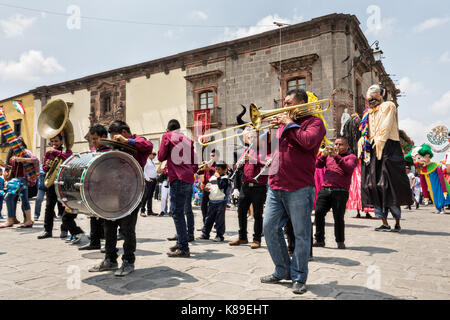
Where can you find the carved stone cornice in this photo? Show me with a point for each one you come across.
(295, 64)
(210, 76)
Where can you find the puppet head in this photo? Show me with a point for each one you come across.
(376, 95)
(420, 156)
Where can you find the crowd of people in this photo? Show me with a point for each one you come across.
(364, 170)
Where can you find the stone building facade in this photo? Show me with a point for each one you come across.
(329, 56)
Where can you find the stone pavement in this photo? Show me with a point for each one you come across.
(414, 264)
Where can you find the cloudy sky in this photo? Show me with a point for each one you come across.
(42, 42)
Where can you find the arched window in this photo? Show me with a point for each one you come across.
(296, 83)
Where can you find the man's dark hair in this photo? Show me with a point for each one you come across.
(299, 95)
(59, 135)
(342, 138)
(173, 125)
(117, 127)
(99, 130)
(216, 152)
(222, 165)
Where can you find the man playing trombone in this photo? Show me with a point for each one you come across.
(291, 191)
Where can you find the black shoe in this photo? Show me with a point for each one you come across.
(174, 238)
(173, 248)
(417, 206)
(105, 265)
(120, 236)
(63, 234)
(341, 245)
(89, 247)
(319, 244)
(368, 216)
(125, 269)
(397, 228)
(179, 254)
(358, 216)
(202, 237)
(45, 235)
(218, 239)
(191, 238)
(298, 288)
(383, 228)
(269, 279)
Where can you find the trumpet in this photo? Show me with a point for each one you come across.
(329, 150)
(257, 117)
(203, 166)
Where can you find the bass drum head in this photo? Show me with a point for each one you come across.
(113, 185)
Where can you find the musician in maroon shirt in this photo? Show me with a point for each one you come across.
(55, 152)
(339, 164)
(252, 192)
(291, 191)
(181, 158)
(120, 131)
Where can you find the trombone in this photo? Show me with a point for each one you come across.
(257, 117)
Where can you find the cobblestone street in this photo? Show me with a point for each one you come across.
(413, 264)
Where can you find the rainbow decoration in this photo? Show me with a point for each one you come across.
(18, 149)
(19, 106)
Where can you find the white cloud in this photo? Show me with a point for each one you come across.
(263, 25)
(431, 23)
(30, 67)
(198, 15)
(16, 25)
(445, 57)
(383, 29)
(442, 106)
(407, 86)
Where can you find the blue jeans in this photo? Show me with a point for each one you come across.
(1, 204)
(396, 212)
(216, 214)
(11, 201)
(38, 203)
(280, 206)
(189, 215)
(179, 191)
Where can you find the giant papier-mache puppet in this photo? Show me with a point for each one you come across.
(434, 185)
(384, 182)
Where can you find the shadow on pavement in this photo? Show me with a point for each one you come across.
(336, 260)
(348, 225)
(29, 230)
(346, 292)
(98, 255)
(140, 280)
(144, 240)
(2, 253)
(424, 233)
(372, 250)
(209, 254)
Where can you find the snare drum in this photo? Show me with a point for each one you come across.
(108, 185)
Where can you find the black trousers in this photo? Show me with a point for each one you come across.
(330, 198)
(247, 196)
(128, 230)
(52, 199)
(147, 199)
(216, 214)
(69, 224)
(291, 237)
(204, 205)
(97, 230)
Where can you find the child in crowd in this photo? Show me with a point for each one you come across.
(217, 188)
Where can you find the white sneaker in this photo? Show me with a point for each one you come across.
(79, 238)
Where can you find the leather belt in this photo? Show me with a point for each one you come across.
(335, 189)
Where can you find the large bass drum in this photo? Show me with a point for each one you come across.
(108, 185)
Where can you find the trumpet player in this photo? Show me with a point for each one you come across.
(291, 192)
(339, 164)
(52, 154)
(251, 192)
